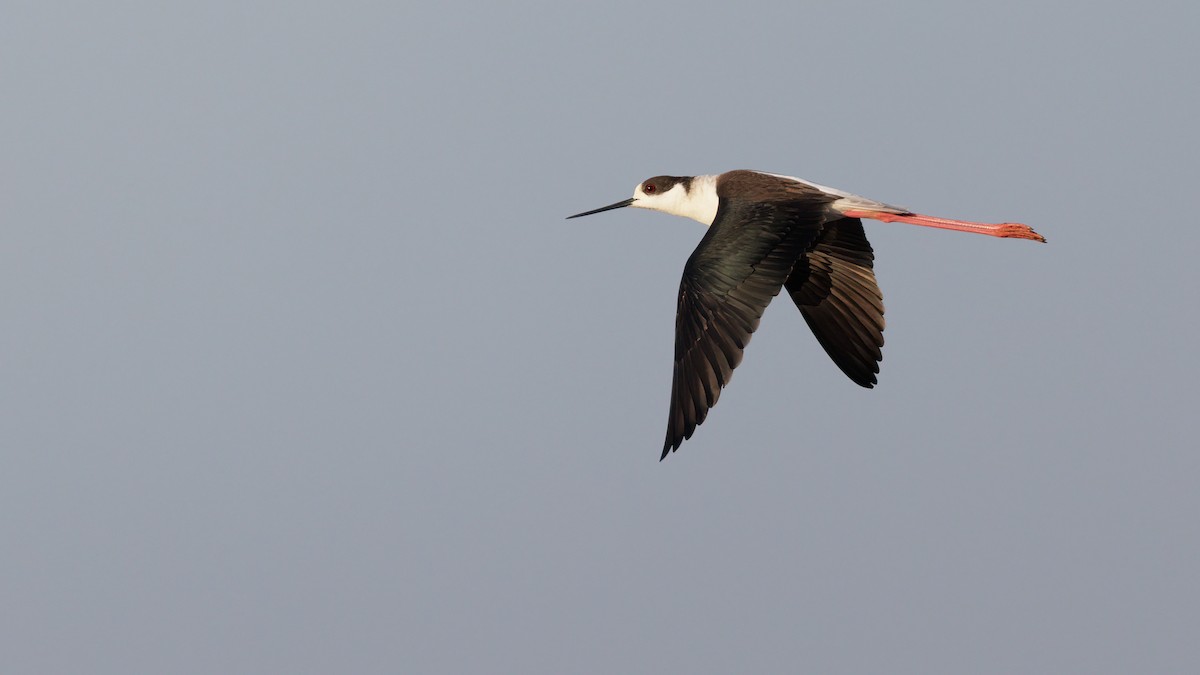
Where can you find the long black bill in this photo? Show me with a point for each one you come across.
(619, 205)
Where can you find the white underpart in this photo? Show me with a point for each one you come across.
(699, 203)
(848, 201)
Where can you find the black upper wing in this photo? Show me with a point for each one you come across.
(834, 287)
(731, 277)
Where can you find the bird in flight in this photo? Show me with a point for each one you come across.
(769, 232)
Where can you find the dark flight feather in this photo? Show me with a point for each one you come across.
(834, 286)
(759, 233)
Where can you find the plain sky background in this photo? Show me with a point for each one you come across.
(302, 370)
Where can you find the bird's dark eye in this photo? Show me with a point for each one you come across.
(650, 188)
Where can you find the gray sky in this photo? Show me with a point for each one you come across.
(303, 371)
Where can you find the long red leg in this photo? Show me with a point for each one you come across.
(1012, 230)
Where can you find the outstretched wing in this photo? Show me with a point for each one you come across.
(731, 277)
(834, 286)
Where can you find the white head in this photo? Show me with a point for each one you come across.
(688, 196)
(662, 193)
